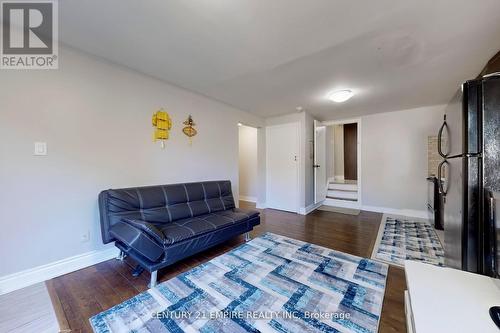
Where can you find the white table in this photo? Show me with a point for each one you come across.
(449, 300)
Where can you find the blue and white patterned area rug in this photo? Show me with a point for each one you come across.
(270, 284)
(403, 238)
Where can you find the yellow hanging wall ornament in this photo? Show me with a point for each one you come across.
(189, 129)
(162, 123)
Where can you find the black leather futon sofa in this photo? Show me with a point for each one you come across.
(159, 225)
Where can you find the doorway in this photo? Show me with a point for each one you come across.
(343, 169)
(282, 167)
(248, 157)
(350, 151)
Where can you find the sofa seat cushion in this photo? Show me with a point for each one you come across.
(194, 226)
(250, 213)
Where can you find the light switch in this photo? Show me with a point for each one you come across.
(40, 148)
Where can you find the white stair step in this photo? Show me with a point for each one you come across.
(341, 203)
(342, 199)
(343, 194)
(343, 187)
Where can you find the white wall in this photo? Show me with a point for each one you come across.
(96, 119)
(248, 163)
(394, 157)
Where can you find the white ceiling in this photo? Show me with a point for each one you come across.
(270, 56)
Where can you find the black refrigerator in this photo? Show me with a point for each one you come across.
(469, 177)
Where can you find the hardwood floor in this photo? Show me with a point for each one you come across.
(89, 291)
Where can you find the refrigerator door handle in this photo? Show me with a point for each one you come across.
(440, 176)
(492, 205)
(464, 155)
(490, 232)
(440, 140)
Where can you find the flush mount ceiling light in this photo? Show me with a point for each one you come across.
(340, 96)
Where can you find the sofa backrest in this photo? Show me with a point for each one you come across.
(163, 203)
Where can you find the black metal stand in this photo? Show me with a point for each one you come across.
(137, 271)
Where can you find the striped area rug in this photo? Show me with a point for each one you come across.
(403, 238)
(270, 284)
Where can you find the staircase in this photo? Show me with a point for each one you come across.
(345, 190)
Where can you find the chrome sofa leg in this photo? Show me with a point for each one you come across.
(154, 276)
(121, 256)
(247, 237)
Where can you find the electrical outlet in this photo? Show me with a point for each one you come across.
(85, 237)
(40, 149)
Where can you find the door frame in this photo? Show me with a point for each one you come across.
(319, 125)
(359, 203)
(247, 198)
(299, 164)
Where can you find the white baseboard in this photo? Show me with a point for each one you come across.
(261, 205)
(385, 210)
(247, 198)
(310, 208)
(342, 203)
(49, 271)
(403, 212)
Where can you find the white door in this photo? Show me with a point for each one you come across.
(282, 165)
(319, 162)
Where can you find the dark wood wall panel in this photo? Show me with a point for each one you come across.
(351, 151)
